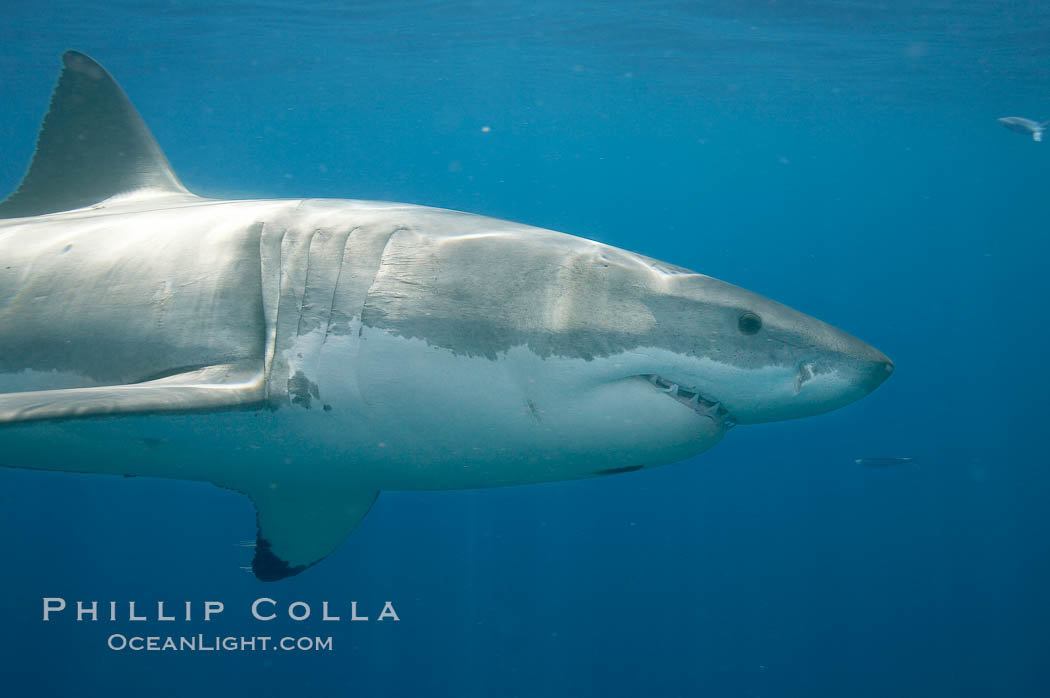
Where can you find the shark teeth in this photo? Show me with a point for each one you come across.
(712, 409)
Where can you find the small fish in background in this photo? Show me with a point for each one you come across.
(884, 461)
(1022, 125)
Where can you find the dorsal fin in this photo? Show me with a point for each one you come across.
(92, 145)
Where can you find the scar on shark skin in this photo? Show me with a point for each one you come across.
(302, 391)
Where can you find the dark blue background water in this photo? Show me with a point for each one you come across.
(842, 158)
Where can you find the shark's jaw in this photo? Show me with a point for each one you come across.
(693, 399)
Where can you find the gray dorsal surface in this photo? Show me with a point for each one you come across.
(93, 145)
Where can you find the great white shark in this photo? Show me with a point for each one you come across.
(311, 353)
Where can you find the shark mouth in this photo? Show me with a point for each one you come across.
(702, 405)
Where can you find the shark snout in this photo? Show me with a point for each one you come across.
(860, 365)
(868, 374)
(878, 371)
(871, 366)
(822, 377)
(858, 371)
(828, 383)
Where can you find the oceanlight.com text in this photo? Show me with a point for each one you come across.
(214, 643)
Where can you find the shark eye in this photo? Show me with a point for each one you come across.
(749, 323)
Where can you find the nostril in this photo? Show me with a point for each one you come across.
(889, 367)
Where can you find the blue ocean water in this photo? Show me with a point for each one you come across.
(840, 157)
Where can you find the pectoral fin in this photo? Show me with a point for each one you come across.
(209, 388)
(300, 525)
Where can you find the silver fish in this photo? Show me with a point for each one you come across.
(1021, 125)
(883, 461)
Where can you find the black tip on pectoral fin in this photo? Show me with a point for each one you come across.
(299, 525)
(270, 568)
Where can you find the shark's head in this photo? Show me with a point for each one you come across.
(714, 344)
(552, 346)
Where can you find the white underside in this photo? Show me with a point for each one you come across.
(403, 415)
